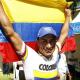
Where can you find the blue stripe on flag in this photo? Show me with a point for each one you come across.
(28, 31)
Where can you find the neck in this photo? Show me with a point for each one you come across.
(45, 57)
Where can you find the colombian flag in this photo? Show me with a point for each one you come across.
(27, 16)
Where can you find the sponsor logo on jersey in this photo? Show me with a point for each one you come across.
(46, 67)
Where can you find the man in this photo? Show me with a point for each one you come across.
(42, 64)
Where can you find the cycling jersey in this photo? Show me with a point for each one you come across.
(37, 67)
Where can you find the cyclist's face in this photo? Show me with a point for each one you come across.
(46, 45)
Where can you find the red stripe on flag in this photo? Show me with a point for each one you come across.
(9, 54)
(70, 44)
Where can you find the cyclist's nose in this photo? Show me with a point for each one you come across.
(48, 45)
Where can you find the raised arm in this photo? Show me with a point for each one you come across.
(65, 27)
(8, 29)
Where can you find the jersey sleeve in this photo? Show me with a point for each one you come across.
(24, 52)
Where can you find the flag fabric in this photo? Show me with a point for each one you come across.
(27, 19)
(69, 45)
(75, 24)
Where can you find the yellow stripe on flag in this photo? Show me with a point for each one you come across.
(60, 4)
(5, 6)
(25, 12)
